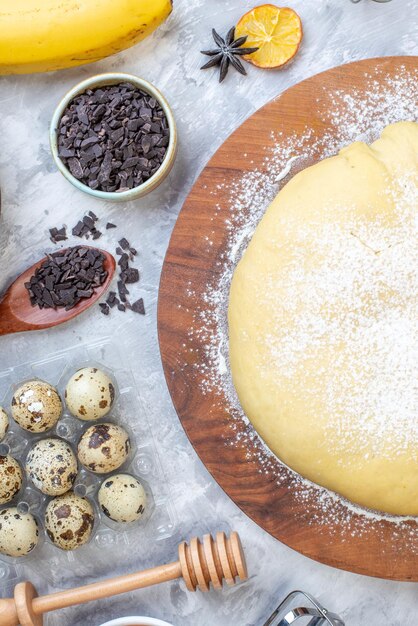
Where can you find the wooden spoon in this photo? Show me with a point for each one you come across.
(17, 313)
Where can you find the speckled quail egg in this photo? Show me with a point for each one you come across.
(4, 423)
(122, 498)
(69, 521)
(89, 394)
(19, 532)
(103, 448)
(36, 406)
(52, 466)
(11, 478)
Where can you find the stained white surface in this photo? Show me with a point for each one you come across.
(35, 196)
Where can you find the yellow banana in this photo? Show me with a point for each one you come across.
(45, 35)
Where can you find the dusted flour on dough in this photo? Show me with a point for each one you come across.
(323, 322)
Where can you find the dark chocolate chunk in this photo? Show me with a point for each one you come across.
(124, 243)
(75, 167)
(122, 288)
(84, 293)
(66, 152)
(86, 227)
(132, 275)
(138, 306)
(88, 221)
(123, 261)
(78, 229)
(61, 234)
(112, 300)
(58, 234)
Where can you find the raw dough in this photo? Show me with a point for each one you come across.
(323, 321)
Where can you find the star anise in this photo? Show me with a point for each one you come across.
(226, 53)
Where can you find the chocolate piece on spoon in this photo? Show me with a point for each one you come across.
(17, 313)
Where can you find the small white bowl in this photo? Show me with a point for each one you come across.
(101, 80)
(136, 621)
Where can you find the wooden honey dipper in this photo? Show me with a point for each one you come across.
(199, 564)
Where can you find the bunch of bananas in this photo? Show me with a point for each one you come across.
(45, 35)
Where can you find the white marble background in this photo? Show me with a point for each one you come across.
(35, 197)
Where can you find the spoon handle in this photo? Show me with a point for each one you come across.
(105, 589)
(8, 322)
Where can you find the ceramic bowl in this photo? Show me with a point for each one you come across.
(101, 80)
(136, 621)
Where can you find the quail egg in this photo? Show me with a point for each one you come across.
(69, 521)
(19, 532)
(52, 466)
(122, 498)
(103, 448)
(89, 394)
(11, 478)
(4, 423)
(36, 406)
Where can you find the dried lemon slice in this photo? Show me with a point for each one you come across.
(276, 32)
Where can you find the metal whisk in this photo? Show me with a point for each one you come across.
(317, 615)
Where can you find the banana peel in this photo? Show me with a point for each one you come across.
(46, 35)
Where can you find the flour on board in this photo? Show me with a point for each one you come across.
(352, 117)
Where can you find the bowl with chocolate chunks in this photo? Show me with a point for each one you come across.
(114, 136)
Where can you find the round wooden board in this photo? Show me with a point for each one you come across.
(346, 539)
